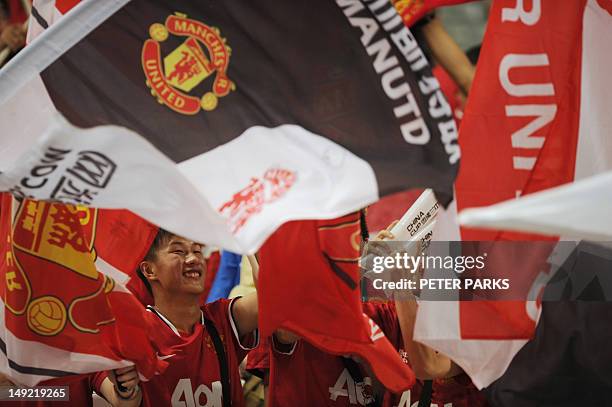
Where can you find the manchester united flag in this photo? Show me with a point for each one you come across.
(221, 121)
(59, 316)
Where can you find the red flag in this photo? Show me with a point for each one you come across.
(413, 10)
(535, 119)
(522, 100)
(309, 284)
(63, 6)
(59, 314)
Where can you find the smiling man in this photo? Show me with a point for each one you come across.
(208, 342)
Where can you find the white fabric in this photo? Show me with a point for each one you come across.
(594, 152)
(46, 9)
(329, 180)
(29, 353)
(579, 210)
(438, 325)
(27, 114)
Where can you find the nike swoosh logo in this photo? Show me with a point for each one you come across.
(160, 357)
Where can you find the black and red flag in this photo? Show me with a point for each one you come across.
(242, 116)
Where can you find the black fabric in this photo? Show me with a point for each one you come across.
(223, 365)
(292, 62)
(569, 361)
(342, 275)
(4, 9)
(425, 400)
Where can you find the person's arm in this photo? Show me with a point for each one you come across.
(448, 54)
(284, 342)
(13, 36)
(254, 268)
(245, 313)
(285, 337)
(425, 361)
(245, 310)
(128, 377)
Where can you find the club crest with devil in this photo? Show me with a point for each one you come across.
(172, 78)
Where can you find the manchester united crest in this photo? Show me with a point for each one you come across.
(173, 77)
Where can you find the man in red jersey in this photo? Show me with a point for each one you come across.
(207, 343)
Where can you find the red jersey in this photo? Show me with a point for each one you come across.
(456, 391)
(258, 360)
(305, 376)
(193, 376)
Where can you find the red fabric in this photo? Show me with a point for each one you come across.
(63, 6)
(309, 284)
(212, 266)
(140, 291)
(98, 379)
(413, 10)
(487, 174)
(193, 372)
(606, 5)
(17, 14)
(456, 391)
(87, 312)
(489, 171)
(389, 208)
(451, 91)
(80, 392)
(123, 238)
(258, 360)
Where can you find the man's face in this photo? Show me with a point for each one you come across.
(179, 267)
